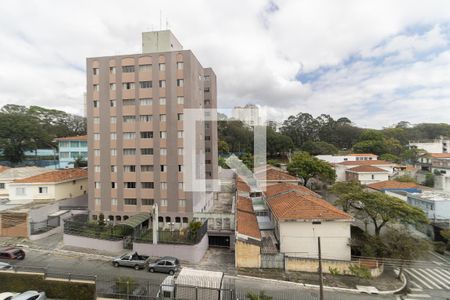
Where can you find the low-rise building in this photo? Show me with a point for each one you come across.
(393, 185)
(341, 168)
(70, 149)
(268, 175)
(436, 205)
(335, 159)
(9, 175)
(366, 174)
(440, 145)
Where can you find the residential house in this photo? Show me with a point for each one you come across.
(440, 145)
(71, 148)
(393, 185)
(268, 175)
(435, 204)
(341, 168)
(9, 175)
(366, 174)
(334, 159)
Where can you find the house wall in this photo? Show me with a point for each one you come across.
(366, 178)
(247, 255)
(299, 239)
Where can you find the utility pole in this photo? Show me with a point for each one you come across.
(320, 270)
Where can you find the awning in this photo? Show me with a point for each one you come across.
(135, 220)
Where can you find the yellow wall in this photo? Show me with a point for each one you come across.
(247, 255)
(70, 189)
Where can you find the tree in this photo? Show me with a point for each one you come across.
(405, 178)
(306, 167)
(261, 296)
(79, 162)
(429, 180)
(301, 128)
(381, 209)
(277, 143)
(319, 148)
(402, 245)
(390, 157)
(342, 188)
(223, 147)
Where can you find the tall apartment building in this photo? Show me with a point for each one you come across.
(135, 109)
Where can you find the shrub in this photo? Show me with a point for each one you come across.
(333, 271)
(360, 271)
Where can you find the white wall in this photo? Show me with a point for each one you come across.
(434, 147)
(300, 239)
(366, 178)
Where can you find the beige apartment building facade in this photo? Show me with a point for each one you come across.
(135, 107)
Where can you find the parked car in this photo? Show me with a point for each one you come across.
(4, 266)
(12, 253)
(165, 264)
(132, 259)
(7, 295)
(30, 295)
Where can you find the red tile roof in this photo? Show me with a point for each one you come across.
(439, 155)
(295, 206)
(242, 186)
(72, 138)
(283, 187)
(246, 222)
(392, 184)
(55, 176)
(365, 163)
(275, 175)
(366, 169)
(3, 168)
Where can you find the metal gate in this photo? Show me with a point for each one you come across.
(272, 261)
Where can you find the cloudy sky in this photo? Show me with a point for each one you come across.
(376, 62)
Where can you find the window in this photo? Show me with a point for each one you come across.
(145, 118)
(113, 136)
(113, 168)
(113, 185)
(162, 83)
(98, 201)
(95, 71)
(20, 191)
(96, 87)
(147, 185)
(145, 101)
(180, 151)
(180, 185)
(163, 134)
(163, 185)
(96, 152)
(96, 120)
(168, 219)
(163, 151)
(96, 136)
(178, 219)
(128, 85)
(112, 70)
(162, 118)
(97, 185)
(181, 203)
(180, 117)
(206, 89)
(146, 168)
(145, 68)
(162, 101)
(67, 154)
(130, 201)
(207, 150)
(147, 201)
(180, 168)
(180, 100)
(146, 134)
(128, 69)
(163, 202)
(129, 151)
(95, 103)
(207, 138)
(129, 135)
(163, 168)
(145, 84)
(147, 151)
(207, 102)
(129, 185)
(129, 168)
(162, 67)
(185, 220)
(113, 120)
(373, 176)
(180, 134)
(180, 82)
(113, 201)
(208, 161)
(43, 190)
(129, 119)
(112, 103)
(97, 168)
(127, 102)
(180, 65)
(112, 86)
(113, 152)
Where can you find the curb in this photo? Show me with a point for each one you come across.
(328, 288)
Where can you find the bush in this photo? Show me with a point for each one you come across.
(333, 271)
(360, 271)
(439, 247)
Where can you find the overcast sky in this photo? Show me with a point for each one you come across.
(376, 62)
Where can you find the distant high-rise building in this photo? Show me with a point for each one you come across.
(249, 114)
(135, 107)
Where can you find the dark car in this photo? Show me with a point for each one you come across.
(12, 253)
(165, 264)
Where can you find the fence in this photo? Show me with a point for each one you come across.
(181, 236)
(93, 230)
(44, 226)
(49, 273)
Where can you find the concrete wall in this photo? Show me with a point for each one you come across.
(97, 244)
(299, 239)
(247, 255)
(34, 237)
(14, 224)
(190, 253)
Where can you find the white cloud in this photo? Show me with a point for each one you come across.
(256, 52)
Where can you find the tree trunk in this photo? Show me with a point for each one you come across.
(377, 230)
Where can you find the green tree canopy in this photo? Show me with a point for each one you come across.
(306, 167)
(318, 148)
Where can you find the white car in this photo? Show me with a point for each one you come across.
(30, 295)
(4, 266)
(7, 295)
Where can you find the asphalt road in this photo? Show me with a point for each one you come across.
(85, 265)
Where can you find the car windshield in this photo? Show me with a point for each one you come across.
(18, 252)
